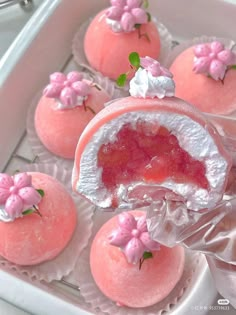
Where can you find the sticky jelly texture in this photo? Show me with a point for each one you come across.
(153, 157)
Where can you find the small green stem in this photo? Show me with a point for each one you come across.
(37, 211)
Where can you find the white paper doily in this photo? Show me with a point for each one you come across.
(64, 263)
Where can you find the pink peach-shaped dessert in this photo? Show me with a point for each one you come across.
(68, 104)
(34, 229)
(147, 144)
(120, 270)
(204, 77)
(107, 50)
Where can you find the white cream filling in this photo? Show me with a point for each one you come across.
(192, 137)
(79, 102)
(114, 25)
(144, 84)
(4, 217)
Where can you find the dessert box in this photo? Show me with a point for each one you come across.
(44, 46)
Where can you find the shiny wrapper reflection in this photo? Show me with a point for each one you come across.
(212, 232)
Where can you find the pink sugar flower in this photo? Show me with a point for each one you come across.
(132, 237)
(17, 194)
(154, 67)
(71, 90)
(213, 59)
(128, 13)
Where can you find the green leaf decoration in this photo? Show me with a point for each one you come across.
(147, 255)
(149, 16)
(145, 4)
(28, 211)
(134, 59)
(41, 192)
(233, 67)
(121, 79)
(137, 26)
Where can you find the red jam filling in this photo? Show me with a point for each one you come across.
(153, 157)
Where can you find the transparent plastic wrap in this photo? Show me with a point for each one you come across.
(212, 232)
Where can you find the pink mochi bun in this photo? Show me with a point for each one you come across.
(59, 130)
(201, 90)
(108, 51)
(33, 239)
(124, 282)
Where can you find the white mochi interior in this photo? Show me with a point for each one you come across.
(192, 137)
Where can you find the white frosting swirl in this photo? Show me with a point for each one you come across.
(144, 84)
(114, 25)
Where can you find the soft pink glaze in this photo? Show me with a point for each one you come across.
(205, 93)
(33, 239)
(108, 52)
(59, 130)
(125, 283)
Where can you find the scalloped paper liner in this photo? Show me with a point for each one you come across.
(43, 155)
(78, 47)
(64, 263)
(178, 49)
(82, 277)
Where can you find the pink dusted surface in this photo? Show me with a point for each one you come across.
(203, 92)
(124, 105)
(107, 52)
(59, 130)
(33, 239)
(125, 283)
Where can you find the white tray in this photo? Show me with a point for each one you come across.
(44, 46)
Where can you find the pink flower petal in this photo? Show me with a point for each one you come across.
(216, 47)
(166, 73)
(14, 206)
(30, 196)
(118, 3)
(147, 61)
(217, 70)
(142, 224)
(148, 242)
(81, 88)
(226, 56)
(114, 13)
(4, 194)
(68, 97)
(134, 250)
(140, 16)
(120, 237)
(127, 221)
(134, 3)
(53, 90)
(127, 22)
(22, 180)
(202, 50)
(6, 181)
(74, 76)
(57, 77)
(201, 65)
